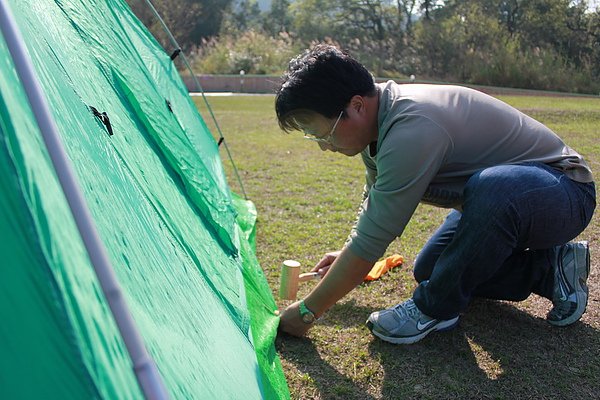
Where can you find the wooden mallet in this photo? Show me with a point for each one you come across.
(290, 277)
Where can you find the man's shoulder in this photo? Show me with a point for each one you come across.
(392, 91)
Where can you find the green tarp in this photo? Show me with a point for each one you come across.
(180, 242)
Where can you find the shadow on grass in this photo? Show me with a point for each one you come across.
(331, 384)
(498, 351)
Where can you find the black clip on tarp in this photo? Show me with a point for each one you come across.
(104, 118)
(175, 54)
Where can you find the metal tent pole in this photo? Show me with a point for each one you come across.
(144, 367)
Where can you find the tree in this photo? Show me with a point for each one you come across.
(407, 9)
(313, 20)
(179, 16)
(593, 41)
(551, 44)
(510, 14)
(211, 17)
(370, 29)
(427, 6)
(376, 24)
(246, 15)
(188, 20)
(278, 19)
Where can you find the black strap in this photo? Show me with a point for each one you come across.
(220, 141)
(104, 118)
(175, 54)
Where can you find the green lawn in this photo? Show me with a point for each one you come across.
(307, 200)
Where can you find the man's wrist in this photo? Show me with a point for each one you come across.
(312, 307)
(307, 316)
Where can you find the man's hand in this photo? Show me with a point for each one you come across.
(344, 272)
(323, 266)
(291, 322)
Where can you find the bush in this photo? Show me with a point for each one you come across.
(538, 68)
(250, 51)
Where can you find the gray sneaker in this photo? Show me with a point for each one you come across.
(571, 271)
(405, 323)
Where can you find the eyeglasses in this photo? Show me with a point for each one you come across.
(327, 138)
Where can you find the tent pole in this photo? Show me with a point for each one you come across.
(144, 367)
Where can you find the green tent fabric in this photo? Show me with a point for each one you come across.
(181, 244)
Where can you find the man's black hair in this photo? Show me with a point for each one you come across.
(321, 80)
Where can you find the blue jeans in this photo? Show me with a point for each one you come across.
(502, 244)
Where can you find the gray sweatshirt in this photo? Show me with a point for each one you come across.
(432, 138)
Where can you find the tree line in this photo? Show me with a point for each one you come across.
(532, 44)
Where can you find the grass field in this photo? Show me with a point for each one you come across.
(307, 201)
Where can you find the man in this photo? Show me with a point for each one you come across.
(518, 195)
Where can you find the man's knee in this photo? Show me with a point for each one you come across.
(429, 254)
(423, 267)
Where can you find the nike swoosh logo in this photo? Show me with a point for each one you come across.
(563, 291)
(562, 286)
(422, 327)
(563, 296)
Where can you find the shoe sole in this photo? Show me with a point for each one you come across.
(442, 326)
(582, 257)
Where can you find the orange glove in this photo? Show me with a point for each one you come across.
(383, 266)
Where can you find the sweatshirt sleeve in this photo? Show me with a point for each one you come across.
(409, 157)
(370, 178)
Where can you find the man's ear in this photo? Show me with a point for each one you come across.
(358, 104)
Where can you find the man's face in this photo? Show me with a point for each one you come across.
(339, 135)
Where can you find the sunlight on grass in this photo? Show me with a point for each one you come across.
(550, 103)
(492, 368)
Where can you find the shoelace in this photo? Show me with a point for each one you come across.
(408, 309)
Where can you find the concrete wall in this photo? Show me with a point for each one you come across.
(269, 83)
(234, 83)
